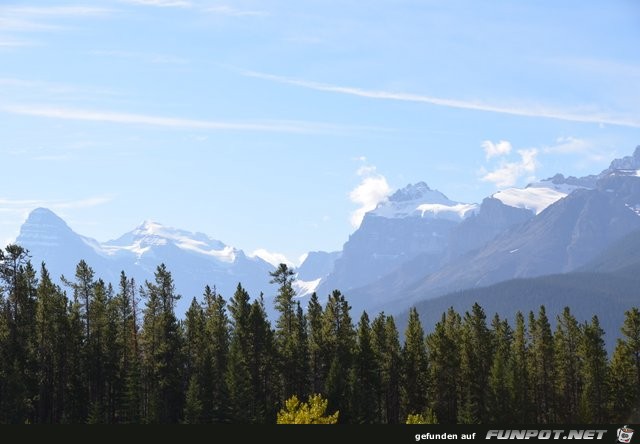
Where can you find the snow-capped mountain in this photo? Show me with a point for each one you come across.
(595, 212)
(421, 201)
(415, 220)
(194, 259)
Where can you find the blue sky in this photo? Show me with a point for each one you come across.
(268, 124)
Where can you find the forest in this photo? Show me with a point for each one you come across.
(92, 352)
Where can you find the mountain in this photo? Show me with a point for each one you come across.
(606, 295)
(316, 266)
(415, 220)
(194, 259)
(554, 226)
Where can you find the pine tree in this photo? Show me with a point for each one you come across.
(500, 402)
(625, 369)
(290, 335)
(568, 384)
(392, 372)
(261, 364)
(195, 361)
(475, 360)
(216, 393)
(595, 392)
(238, 377)
(541, 371)
(162, 351)
(520, 381)
(444, 358)
(317, 368)
(337, 330)
(415, 367)
(19, 388)
(366, 376)
(51, 329)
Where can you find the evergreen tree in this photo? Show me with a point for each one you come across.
(162, 348)
(444, 358)
(290, 335)
(475, 361)
(19, 388)
(317, 368)
(195, 354)
(520, 387)
(625, 369)
(238, 377)
(415, 367)
(541, 371)
(595, 392)
(391, 379)
(567, 339)
(500, 402)
(216, 394)
(366, 376)
(339, 337)
(261, 364)
(51, 330)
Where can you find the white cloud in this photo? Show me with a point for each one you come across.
(161, 3)
(281, 126)
(508, 173)
(491, 149)
(372, 189)
(274, 259)
(165, 59)
(567, 145)
(233, 12)
(629, 120)
(25, 205)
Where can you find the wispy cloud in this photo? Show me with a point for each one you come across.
(566, 145)
(144, 57)
(282, 126)
(372, 189)
(516, 110)
(161, 3)
(14, 43)
(21, 206)
(234, 12)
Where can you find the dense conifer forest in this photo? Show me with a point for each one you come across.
(91, 352)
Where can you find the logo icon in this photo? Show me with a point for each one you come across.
(625, 434)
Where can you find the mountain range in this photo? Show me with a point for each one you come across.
(417, 245)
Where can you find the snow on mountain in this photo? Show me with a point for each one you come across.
(151, 234)
(539, 195)
(421, 201)
(194, 259)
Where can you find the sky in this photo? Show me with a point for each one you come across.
(274, 125)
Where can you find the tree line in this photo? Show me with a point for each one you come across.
(91, 353)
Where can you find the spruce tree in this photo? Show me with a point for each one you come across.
(444, 370)
(500, 403)
(475, 361)
(568, 374)
(541, 370)
(595, 374)
(520, 382)
(216, 393)
(414, 368)
(366, 376)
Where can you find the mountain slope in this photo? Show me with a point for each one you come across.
(606, 295)
(194, 259)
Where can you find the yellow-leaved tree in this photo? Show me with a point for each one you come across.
(311, 412)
